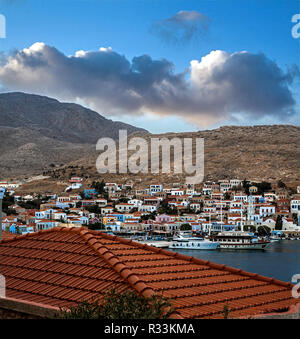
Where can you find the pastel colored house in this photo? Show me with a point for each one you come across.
(295, 205)
(267, 210)
(44, 224)
(89, 192)
(106, 210)
(124, 207)
(162, 218)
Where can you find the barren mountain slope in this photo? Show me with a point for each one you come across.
(37, 131)
(256, 152)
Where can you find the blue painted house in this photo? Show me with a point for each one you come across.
(89, 192)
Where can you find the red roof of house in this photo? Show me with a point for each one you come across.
(60, 267)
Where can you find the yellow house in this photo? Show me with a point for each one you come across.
(132, 226)
(252, 189)
(109, 219)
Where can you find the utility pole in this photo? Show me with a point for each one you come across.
(242, 215)
(2, 192)
(0, 219)
(221, 212)
(209, 230)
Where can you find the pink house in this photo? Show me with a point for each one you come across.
(162, 218)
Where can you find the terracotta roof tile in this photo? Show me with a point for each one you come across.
(60, 267)
(8, 235)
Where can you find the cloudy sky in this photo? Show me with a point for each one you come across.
(162, 65)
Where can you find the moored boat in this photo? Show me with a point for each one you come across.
(185, 240)
(239, 241)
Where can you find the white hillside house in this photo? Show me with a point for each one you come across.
(267, 210)
(295, 205)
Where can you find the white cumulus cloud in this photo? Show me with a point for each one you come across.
(215, 88)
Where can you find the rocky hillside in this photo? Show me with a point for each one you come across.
(56, 120)
(36, 132)
(42, 135)
(257, 153)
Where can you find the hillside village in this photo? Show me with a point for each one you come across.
(156, 211)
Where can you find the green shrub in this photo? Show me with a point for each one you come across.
(127, 305)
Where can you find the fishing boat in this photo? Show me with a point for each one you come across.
(185, 240)
(239, 240)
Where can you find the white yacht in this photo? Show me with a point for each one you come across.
(185, 240)
(239, 240)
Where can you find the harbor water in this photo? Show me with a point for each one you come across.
(281, 260)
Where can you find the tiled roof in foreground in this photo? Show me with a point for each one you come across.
(62, 266)
(8, 235)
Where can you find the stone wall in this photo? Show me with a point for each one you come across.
(9, 314)
(292, 313)
(16, 309)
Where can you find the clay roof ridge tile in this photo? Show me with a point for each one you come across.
(199, 261)
(102, 250)
(125, 272)
(120, 267)
(153, 249)
(182, 257)
(110, 256)
(140, 245)
(84, 231)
